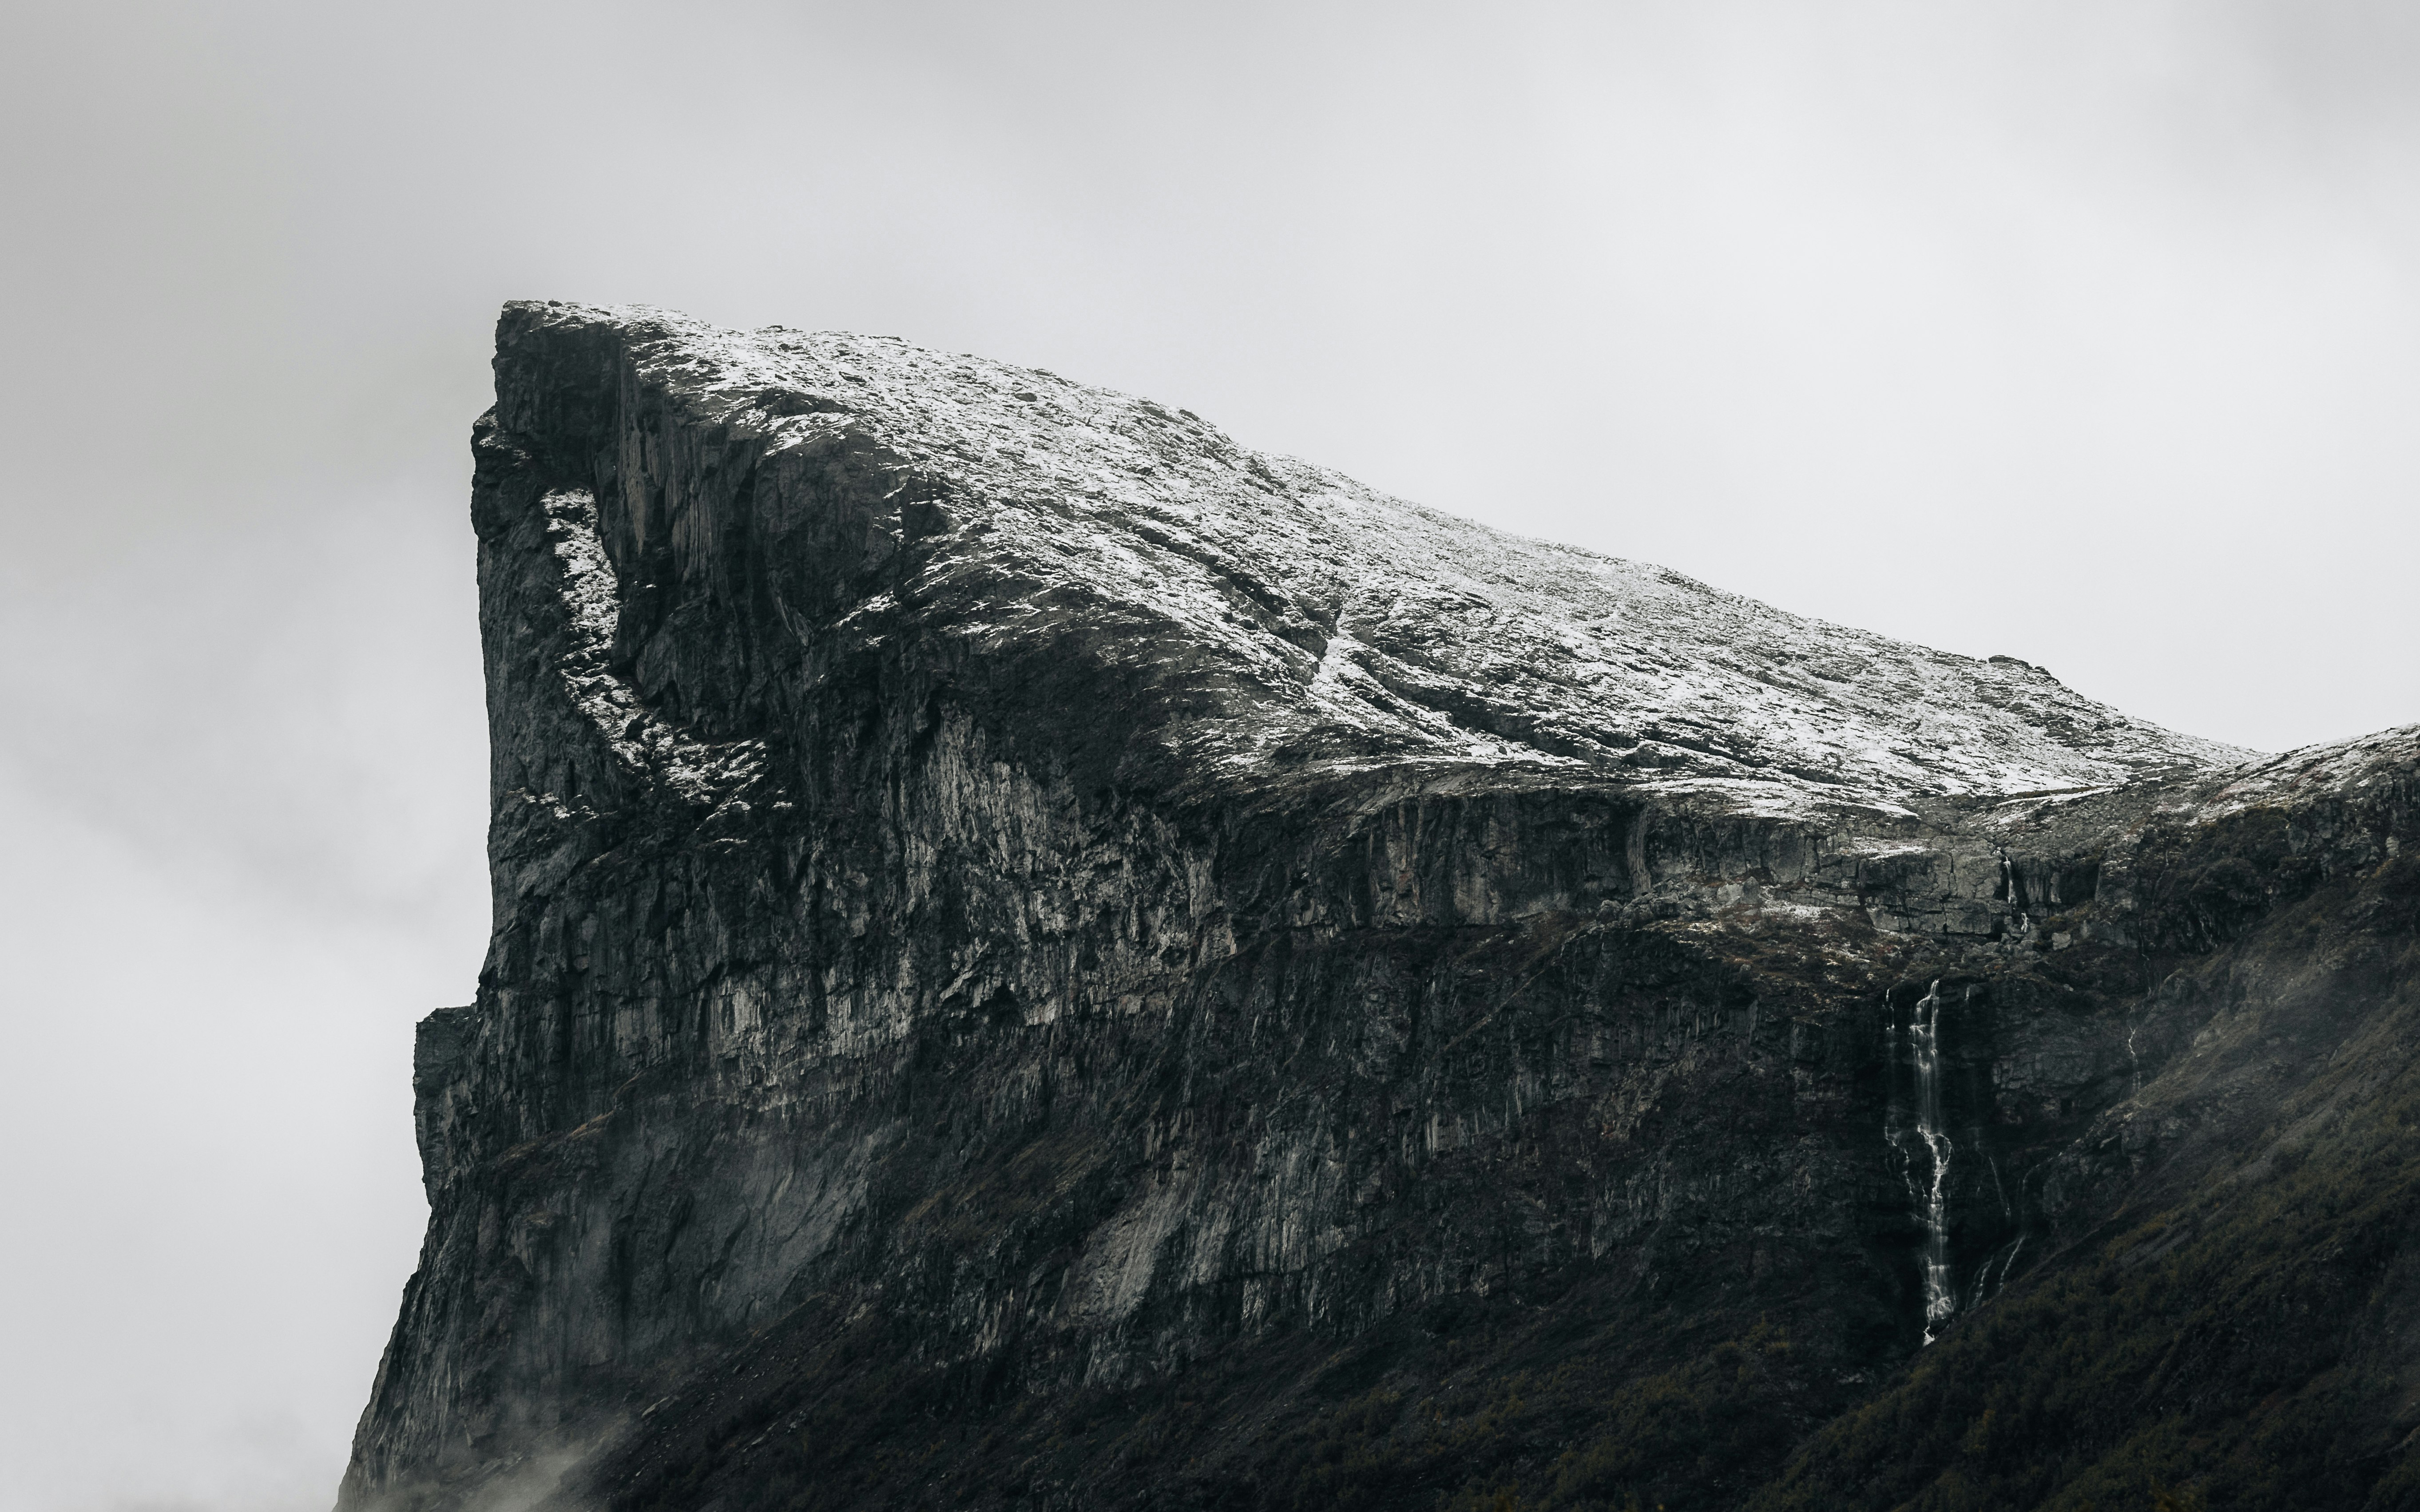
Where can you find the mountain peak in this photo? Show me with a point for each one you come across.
(1044, 958)
(1287, 624)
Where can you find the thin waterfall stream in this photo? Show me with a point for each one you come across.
(1929, 1148)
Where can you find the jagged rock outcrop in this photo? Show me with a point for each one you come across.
(1044, 959)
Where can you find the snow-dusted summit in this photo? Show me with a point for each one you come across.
(1290, 621)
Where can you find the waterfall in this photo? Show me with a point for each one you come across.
(1926, 1156)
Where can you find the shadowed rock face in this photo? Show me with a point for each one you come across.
(1044, 959)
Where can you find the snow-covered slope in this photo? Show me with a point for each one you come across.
(1326, 626)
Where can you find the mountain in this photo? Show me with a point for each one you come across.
(1043, 959)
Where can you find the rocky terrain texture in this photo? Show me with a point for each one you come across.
(1043, 959)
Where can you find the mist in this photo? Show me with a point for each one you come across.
(2083, 333)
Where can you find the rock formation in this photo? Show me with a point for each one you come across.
(1043, 959)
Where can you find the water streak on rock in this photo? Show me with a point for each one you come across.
(1925, 1151)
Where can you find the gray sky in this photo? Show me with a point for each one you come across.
(2083, 332)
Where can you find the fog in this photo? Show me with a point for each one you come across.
(2079, 332)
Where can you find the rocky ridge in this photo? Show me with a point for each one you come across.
(1329, 629)
(1044, 958)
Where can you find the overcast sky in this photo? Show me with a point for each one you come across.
(2086, 332)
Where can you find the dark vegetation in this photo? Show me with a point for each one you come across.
(2241, 1333)
(1465, 1417)
(2227, 1346)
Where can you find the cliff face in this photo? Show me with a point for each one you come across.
(1044, 959)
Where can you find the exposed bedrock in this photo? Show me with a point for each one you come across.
(1041, 957)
